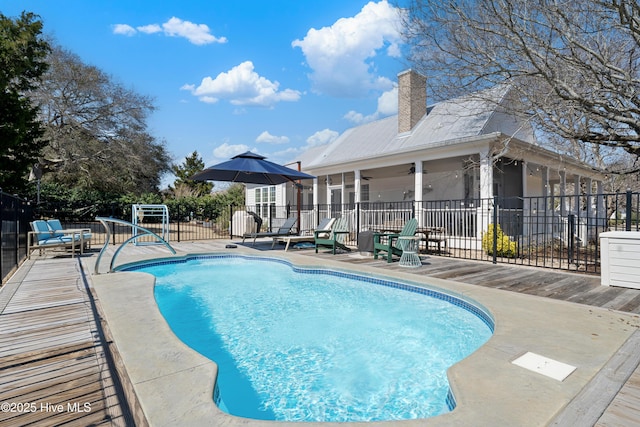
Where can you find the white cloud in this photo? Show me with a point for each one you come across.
(124, 30)
(387, 105)
(271, 139)
(242, 86)
(341, 56)
(208, 99)
(283, 157)
(198, 34)
(354, 117)
(226, 151)
(388, 102)
(324, 136)
(150, 29)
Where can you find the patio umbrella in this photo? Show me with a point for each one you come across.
(250, 168)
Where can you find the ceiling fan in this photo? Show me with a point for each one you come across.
(412, 170)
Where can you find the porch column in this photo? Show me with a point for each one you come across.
(525, 177)
(545, 187)
(576, 193)
(588, 184)
(329, 201)
(484, 210)
(417, 191)
(602, 213)
(343, 190)
(356, 185)
(563, 193)
(316, 199)
(546, 191)
(486, 175)
(526, 205)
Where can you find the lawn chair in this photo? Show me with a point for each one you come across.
(335, 239)
(389, 243)
(284, 230)
(44, 238)
(56, 226)
(325, 225)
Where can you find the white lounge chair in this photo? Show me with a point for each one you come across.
(325, 225)
(284, 230)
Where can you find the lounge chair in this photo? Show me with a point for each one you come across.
(43, 237)
(325, 225)
(388, 242)
(56, 226)
(335, 239)
(284, 230)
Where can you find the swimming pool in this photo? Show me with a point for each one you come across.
(318, 345)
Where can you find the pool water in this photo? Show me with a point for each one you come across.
(296, 345)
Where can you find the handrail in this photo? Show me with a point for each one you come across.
(104, 221)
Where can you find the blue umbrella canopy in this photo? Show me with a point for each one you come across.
(250, 168)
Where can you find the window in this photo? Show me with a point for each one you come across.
(364, 193)
(265, 199)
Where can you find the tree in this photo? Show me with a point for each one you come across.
(192, 163)
(22, 62)
(97, 130)
(573, 66)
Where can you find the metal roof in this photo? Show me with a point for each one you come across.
(460, 118)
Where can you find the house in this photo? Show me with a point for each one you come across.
(465, 151)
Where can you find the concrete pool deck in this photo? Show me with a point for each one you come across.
(174, 384)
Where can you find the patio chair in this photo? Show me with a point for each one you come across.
(56, 226)
(436, 236)
(389, 243)
(336, 237)
(43, 237)
(284, 230)
(325, 225)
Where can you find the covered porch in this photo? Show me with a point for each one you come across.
(533, 191)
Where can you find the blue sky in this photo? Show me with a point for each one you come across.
(274, 77)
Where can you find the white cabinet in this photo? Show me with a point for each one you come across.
(620, 259)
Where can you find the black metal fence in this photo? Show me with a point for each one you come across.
(15, 215)
(184, 224)
(552, 232)
(560, 232)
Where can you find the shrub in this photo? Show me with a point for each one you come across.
(505, 247)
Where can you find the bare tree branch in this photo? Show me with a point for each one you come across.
(573, 65)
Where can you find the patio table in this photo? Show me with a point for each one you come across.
(409, 257)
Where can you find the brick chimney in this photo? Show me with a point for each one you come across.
(412, 99)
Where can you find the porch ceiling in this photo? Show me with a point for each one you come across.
(387, 172)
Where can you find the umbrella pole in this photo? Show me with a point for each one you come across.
(299, 197)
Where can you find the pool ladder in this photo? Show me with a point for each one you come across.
(138, 232)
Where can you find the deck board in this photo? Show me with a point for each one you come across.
(51, 354)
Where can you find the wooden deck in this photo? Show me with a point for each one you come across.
(52, 350)
(578, 288)
(53, 367)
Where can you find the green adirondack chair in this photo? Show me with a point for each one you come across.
(336, 238)
(388, 242)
